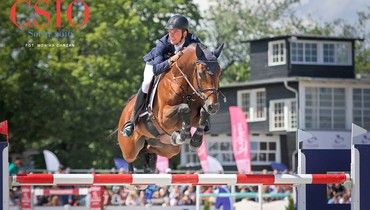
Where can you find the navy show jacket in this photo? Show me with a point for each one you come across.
(159, 55)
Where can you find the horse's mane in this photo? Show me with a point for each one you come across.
(193, 45)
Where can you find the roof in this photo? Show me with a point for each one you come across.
(308, 36)
(294, 79)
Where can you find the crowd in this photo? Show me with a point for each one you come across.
(338, 194)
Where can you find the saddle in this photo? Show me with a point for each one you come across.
(146, 115)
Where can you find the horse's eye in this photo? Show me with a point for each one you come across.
(201, 74)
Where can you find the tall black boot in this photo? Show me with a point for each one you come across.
(129, 127)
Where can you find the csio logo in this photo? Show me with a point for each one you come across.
(47, 15)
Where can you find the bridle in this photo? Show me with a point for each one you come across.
(200, 90)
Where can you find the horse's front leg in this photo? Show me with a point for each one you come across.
(197, 138)
(182, 113)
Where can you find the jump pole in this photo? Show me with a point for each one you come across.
(177, 179)
(4, 193)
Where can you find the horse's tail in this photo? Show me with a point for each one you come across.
(114, 133)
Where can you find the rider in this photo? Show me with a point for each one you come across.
(159, 60)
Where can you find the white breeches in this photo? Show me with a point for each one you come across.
(148, 75)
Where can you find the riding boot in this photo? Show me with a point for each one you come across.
(129, 127)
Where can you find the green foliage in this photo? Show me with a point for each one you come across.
(207, 205)
(69, 100)
(290, 204)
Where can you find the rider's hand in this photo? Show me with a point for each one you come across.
(174, 58)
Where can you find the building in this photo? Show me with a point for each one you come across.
(297, 81)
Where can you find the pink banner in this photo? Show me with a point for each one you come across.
(240, 139)
(202, 153)
(162, 164)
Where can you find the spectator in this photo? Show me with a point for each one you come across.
(133, 198)
(13, 200)
(107, 198)
(53, 201)
(116, 197)
(15, 166)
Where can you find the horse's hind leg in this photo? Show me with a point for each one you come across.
(130, 147)
(130, 168)
(149, 160)
(197, 138)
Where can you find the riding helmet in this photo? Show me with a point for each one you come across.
(177, 22)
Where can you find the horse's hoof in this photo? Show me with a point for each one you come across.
(176, 139)
(195, 142)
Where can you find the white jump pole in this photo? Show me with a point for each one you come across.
(360, 148)
(4, 176)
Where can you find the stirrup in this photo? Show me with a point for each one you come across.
(128, 129)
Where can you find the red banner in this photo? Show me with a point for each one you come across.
(26, 198)
(202, 153)
(240, 139)
(96, 198)
(4, 129)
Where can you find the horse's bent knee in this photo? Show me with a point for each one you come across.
(129, 157)
(173, 151)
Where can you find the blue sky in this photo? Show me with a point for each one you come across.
(325, 10)
(328, 10)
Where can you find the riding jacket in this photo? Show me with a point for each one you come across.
(159, 55)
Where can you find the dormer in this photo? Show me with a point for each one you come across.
(302, 55)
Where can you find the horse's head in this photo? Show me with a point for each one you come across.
(207, 73)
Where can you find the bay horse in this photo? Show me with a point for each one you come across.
(185, 97)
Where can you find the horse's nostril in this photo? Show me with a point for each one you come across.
(213, 107)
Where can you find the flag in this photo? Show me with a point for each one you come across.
(214, 166)
(202, 153)
(4, 129)
(162, 164)
(240, 139)
(51, 161)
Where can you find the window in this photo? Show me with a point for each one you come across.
(361, 107)
(277, 53)
(321, 52)
(264, 150)
(325, 108)
(304, 52)
(253, 103)
(283, 115)
(219, 147)
(337, 53)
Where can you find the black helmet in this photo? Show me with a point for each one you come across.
(177, 22)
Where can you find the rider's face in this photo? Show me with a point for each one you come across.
(176, 36)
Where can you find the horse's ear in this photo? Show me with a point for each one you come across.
(199, 52)
(217, 52)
